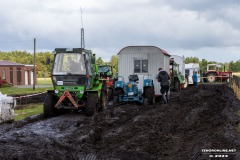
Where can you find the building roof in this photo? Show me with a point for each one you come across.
(162, 51)
(7, 63)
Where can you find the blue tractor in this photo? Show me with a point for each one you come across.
(130, 92)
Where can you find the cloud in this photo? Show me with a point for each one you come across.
(179, 26)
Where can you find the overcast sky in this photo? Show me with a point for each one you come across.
(207, 29)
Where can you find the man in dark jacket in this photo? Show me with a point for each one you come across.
(163, 78)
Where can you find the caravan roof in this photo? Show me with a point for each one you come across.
(192, 65)
(133, 48)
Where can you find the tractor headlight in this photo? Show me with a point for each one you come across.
(81, 91)
(56, 91)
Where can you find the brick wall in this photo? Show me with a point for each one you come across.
(7, 76)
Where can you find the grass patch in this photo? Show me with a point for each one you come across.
(44, 81)
(15, 90)
(22, 112)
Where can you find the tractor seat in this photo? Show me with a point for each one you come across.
(133, 78)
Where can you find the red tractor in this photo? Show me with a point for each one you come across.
(214, 74)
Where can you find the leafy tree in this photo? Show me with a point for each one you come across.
(234, 66)
(203, 65)
(114, 63)
(24, 57)
(191, 60)
(100, 62)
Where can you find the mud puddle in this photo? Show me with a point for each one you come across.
(194, 120)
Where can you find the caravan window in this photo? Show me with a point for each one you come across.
(136, 66)
(144, 66)
(140, 66)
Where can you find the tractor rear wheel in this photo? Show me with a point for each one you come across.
(91, 106)
(177, 86)
(49, 109)
(149, 95)
(211, 77)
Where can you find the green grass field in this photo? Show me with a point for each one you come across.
(28, 90)
(44, 81)
(15, 90)
(22, 112)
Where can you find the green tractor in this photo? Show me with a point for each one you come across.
(177, 80)
(76, 82)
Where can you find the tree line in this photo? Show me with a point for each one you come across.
(43, 66)
(23, 57)
(44, 69)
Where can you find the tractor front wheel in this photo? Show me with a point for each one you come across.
(91, 106)
(49, 109)
(186, 83)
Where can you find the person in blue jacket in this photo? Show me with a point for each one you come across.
(195, 79)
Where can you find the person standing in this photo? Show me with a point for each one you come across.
(163, 78)
(195, 79)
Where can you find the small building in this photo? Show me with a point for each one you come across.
(143, 61)
(16, 73)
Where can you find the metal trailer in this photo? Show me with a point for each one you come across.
(190, 69)
(143, 61)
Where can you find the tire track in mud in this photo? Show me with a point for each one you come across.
(192, 121)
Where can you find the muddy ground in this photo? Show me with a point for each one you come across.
(192, 121)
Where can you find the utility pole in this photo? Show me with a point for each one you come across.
(34, 63)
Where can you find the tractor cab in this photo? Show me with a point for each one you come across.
(213, 67)
(105, 71)
(71, 68)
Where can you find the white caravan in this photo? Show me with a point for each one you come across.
(190, 69)
(143, 61)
